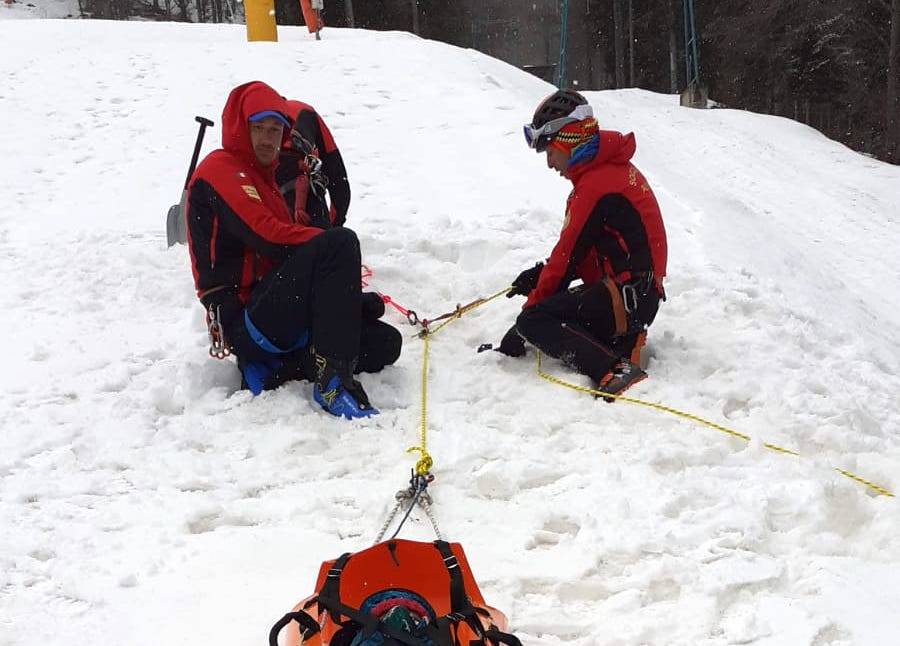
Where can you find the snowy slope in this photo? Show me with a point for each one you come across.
(144, 500)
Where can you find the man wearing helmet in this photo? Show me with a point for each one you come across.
(612, 238)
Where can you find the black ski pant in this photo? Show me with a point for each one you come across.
(584, 327)
(314, 291)
(379, 346)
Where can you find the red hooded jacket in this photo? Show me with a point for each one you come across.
(239, 226)
(613, 227)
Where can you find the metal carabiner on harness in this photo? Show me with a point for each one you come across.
(218, 348)
(635, 290)
(629, 298)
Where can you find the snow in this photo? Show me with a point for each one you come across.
(145, 500)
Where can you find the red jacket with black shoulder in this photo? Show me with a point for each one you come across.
(613, 227)
(239, 226)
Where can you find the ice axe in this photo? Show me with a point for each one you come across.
(176, 226)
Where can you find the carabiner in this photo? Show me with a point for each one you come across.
(629, 298)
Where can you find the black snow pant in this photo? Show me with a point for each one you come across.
(315, 293)
(587, 327)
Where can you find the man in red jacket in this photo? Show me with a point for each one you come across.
(612, 238)
(313, 180)
(285, 293)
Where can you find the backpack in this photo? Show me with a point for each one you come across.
(398, 592)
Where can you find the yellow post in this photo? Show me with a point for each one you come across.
(260, 16)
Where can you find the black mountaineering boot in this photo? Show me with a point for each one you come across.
(622, 376)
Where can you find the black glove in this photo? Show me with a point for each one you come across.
(526, 281)
(372, 306)
(512, 344)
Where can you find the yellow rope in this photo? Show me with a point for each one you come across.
(699, 420)
(468, 308)
(424, 464)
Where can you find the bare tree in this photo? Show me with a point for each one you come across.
(631, 79)
(673, 47)
(619, 38)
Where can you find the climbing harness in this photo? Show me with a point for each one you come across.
(312, 164)
(699, 420)
(218, 348)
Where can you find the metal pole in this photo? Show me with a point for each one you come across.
(414, 6)
(695, 51)
(348, 12)
(691, 54)
(563, 42)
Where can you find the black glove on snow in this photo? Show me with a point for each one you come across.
(512, 344)
(526, 281)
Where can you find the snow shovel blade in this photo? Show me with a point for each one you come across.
(176, 227)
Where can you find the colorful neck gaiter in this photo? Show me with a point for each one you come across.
(581, 140)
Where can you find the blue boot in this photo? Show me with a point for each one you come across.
(258, 374)
(338, 392)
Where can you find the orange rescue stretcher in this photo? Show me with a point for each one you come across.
(360, 596)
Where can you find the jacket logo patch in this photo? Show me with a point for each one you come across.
(567, 219)
(251, 192)
(633, 180)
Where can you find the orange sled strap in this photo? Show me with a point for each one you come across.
(436, 572)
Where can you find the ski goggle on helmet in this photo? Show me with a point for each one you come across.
(553, 114)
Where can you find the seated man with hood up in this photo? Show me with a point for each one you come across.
(286, 294)
(612, 238)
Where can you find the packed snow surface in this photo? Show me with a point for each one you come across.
(146, 500)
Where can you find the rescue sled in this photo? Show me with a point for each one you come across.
(359, 597)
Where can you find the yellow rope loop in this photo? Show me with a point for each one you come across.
(424, 463)
(699, 420)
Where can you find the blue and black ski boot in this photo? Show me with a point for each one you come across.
(337, 391)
